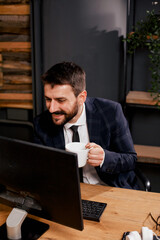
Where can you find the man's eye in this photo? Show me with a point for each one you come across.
(48, 100)
(61, 100)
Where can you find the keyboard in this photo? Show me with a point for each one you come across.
(92, 210)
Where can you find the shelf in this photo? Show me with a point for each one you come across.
(142, 98)
(148, 154)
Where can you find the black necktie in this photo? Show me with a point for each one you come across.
(75, 138)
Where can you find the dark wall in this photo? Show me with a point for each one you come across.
(144, 125)
(88, 32)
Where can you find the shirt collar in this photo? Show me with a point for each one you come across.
(81, 120)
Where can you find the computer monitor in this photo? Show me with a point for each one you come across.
(42, 180)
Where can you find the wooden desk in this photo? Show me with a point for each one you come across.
(126, 210)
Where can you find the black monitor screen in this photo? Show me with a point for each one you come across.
(42, 180)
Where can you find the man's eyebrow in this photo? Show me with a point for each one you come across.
(61, 98)
(58, 98)
(47, 97)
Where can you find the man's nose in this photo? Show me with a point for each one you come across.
(53, 106)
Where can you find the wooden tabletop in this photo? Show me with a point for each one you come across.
(127, 210)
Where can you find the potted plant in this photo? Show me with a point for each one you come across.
(146, 34)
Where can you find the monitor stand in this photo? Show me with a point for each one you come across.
(18, 226)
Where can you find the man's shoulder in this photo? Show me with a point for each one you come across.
(42, 118)
(42, 115)
(101, 103)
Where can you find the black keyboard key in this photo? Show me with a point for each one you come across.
(92, 210)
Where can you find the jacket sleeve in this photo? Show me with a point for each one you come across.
(37, 131)
(120, 156)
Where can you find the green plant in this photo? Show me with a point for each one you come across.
(146, 34)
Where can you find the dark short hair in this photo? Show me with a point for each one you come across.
(66, 73)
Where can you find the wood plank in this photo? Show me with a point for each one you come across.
(15, 88)
(14, 1)
(15, 9)
(1, 72)
(8, 71)
(15, 46)
(14, 30)
(14, 38)
(1, 78)
(15, 96)
(18, 21)
(20, 56)
(139, 97)
(22, 65)
(17, 79)
(0, 58)
(16, 49)
(16, 104)
(16, 100)
(148, 154)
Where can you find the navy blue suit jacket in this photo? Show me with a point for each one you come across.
(107, 127)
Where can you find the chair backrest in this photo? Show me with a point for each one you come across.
(16, 129)
(144, 181)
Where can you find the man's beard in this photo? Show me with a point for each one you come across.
(67, 116)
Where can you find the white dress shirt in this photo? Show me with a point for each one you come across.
(89, 172)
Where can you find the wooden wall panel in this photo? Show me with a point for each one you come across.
(15, 54)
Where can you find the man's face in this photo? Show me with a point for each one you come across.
(63, 105)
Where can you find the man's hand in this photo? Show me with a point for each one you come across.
(95, 155)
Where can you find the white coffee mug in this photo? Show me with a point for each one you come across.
(133, 236)
(80, 150)
(147, 234)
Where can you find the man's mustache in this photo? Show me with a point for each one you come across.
(59, 113)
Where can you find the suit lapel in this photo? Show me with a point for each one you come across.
(58, 140)
(93, 122)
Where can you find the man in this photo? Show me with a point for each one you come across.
(101, 125)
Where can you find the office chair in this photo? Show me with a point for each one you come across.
(21, 130)
(144, 181)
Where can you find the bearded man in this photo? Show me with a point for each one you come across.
(101, 126)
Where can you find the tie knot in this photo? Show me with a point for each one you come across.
(74, 128)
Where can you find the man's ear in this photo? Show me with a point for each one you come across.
(82, 97)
